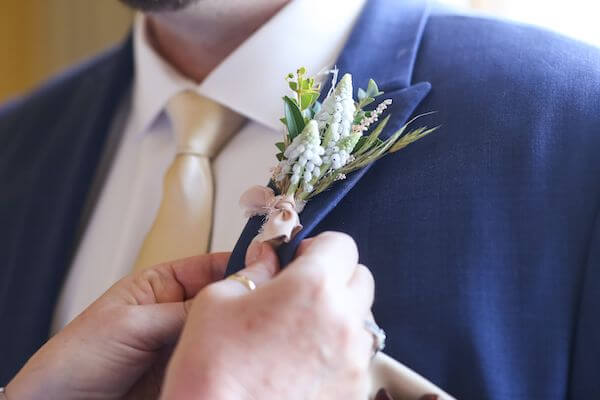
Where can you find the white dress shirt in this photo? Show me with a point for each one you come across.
(251, 82)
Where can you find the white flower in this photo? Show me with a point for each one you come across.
(337, 112)
(303, 155)
(340, 155)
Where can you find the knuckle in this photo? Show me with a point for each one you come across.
(340, 237)
(368, 279)
(156, 275)
(319, 264)
(155, 281)
(208, 294)
(314, 284)
(149, 274)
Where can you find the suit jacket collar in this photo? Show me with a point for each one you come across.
(383, 46)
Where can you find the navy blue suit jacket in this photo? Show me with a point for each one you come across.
(484, 238)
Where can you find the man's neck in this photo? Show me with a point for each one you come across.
(197, 39)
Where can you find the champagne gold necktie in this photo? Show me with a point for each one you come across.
(182, 226)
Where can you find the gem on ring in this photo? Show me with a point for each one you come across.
(244, 280)
(378, 336)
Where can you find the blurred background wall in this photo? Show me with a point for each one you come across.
(38, 38)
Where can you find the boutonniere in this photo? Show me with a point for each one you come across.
(322, 143)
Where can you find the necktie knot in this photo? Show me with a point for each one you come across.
(201, 126)
(182, 226)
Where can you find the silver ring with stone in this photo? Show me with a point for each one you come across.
(378, 336)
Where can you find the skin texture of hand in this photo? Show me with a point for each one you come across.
(298, 336)
(118, 347)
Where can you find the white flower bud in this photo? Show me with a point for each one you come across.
(309, 166)
(295, 179)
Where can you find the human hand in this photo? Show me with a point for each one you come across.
(299, 335)
(118, 347)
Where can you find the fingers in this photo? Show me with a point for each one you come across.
(362, 288)
(262, 265)
(333, 254)
(158, 324)
(195, 273)
(173, 281)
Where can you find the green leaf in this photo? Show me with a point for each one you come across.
(316, 107)
(372, 89)
(279, 156)
(361, 94)
(293, 85)
(293, 118)
(358, 117)
(307, 99)
(373, 137)
(280, 146)
(361, 143)
(283, 121)
(411, 137)
(365, 102)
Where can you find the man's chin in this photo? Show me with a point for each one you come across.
(158, 5)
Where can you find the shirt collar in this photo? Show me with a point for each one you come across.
(250, 80)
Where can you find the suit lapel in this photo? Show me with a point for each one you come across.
(389, 32)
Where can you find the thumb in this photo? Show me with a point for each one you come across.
(261, 256)
(262, 264)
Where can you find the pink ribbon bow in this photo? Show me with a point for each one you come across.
(282, 222)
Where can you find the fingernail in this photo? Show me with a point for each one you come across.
(429, 397)
(254, 252)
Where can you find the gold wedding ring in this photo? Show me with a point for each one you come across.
(244, 280)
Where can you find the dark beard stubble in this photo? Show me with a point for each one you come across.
(158, 5)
